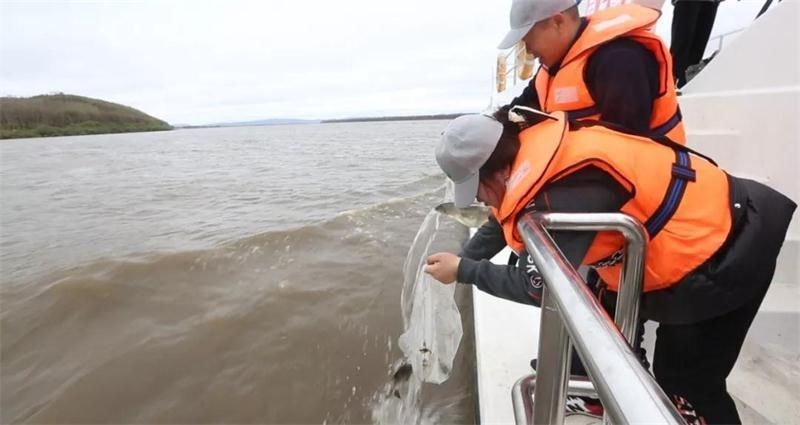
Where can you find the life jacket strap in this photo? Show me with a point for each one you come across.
(682, 174)
(664, 129)
(578, 114)
(662, 140)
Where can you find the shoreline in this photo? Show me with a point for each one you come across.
(5, 135)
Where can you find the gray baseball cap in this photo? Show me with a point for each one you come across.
(466, 144)
(525, 13)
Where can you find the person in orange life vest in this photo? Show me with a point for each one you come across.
(607, 66)
(712, 247)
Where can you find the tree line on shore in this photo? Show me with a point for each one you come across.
(67, 115)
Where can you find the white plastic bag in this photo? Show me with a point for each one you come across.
(431, 318)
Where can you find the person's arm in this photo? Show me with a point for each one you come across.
(588, 190)
(487, 241)
(622, 78)
(529, 96)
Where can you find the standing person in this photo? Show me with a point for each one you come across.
(607, 66)
(692, 21)
(713, 239)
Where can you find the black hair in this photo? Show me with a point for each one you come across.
(508, 144)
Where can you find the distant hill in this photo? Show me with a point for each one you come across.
(399, 118)
(67, 115)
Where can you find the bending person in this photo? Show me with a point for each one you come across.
(712, 247)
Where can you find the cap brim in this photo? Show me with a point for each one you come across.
(464, 193)
(513, 37)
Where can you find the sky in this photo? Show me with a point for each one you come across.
(200, 62)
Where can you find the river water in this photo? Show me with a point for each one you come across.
(222, 275)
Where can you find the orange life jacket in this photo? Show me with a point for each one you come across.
(567, 91)
(681, 198)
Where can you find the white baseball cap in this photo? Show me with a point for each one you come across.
(466, 144)
(526, 13)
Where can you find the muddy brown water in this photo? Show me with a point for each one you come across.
(229, 275)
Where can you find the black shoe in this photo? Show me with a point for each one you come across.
(586, 406)
(579, 405)
(687, 411)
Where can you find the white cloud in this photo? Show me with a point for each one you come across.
(210, 61)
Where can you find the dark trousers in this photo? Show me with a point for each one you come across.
(692, 22)
(694, 360)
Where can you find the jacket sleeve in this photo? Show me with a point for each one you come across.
(622, 78)
(588, 190)
(487, 241)
(529, 97)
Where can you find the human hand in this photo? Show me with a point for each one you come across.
(443, 266)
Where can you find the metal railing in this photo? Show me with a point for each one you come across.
(571, 313)
(720, 38)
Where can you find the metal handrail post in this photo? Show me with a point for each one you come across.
(525, 386)
(628, 392)
(630, 286)
(521, 399)
(554, 351)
